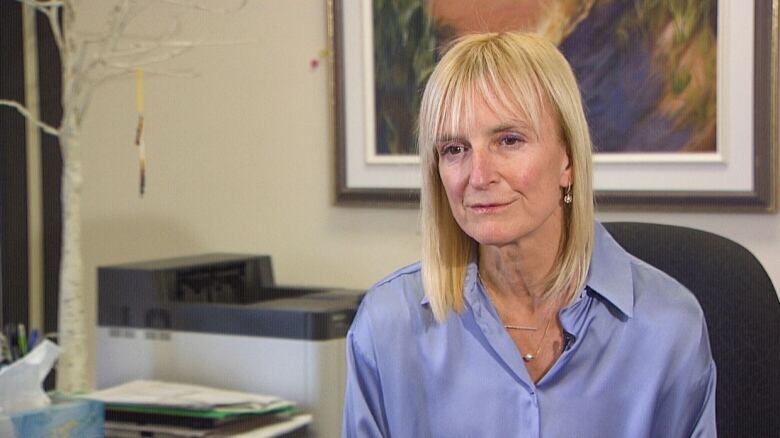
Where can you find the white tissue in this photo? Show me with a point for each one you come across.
(21, 383)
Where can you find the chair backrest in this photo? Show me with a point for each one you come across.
(742, 312)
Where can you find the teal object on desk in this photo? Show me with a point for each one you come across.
(71, 419)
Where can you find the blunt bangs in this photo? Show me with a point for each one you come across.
(487, 69)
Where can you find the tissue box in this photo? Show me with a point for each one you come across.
(63, 418)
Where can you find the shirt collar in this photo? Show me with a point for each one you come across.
(469, 284)
(610, 273)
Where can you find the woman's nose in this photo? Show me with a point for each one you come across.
(483, 170)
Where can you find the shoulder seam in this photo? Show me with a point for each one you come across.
(636, 261)
(407, 270)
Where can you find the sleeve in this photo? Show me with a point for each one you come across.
(364, 414)
(687, 407)
(705, 426)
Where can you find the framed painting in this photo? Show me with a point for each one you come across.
(682, 102)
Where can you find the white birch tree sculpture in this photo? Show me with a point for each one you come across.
(88, 60)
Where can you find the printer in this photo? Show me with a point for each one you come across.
(220, 320)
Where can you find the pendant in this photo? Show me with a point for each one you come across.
(528, 357)
(520, 327)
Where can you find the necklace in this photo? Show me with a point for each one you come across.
(528, 356)
(520, 327)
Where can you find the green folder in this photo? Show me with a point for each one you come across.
(219, 413)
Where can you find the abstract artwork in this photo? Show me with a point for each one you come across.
(647, 69)
(680, 95)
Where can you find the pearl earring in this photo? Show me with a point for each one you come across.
(568, 198)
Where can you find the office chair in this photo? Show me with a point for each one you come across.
(742, 312)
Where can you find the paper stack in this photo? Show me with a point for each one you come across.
(166, 409)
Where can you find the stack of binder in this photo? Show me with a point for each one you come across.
(151, 408)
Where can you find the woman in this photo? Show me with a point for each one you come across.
(524, 318)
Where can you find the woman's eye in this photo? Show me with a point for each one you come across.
(452, 149)
(512, 140)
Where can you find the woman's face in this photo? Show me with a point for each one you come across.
(502, 180)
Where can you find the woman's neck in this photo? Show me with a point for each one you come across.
(515, 277)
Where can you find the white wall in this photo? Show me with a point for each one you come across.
(241, 159)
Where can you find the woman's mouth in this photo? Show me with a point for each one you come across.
(488, 207)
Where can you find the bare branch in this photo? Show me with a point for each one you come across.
(80, 102)
(86, 96)
(81, 55)
(102, 37)
(148, 58)
(42, 4)
(144, 48)
(26, 113)
(198, 7)
(149, 72)
(51, 10)
(190, 44)
(118, 23)
(139, 50)
(172, 74)
(52, 14)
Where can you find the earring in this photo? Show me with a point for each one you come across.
(567, 198)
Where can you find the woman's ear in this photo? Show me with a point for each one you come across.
(566, 178)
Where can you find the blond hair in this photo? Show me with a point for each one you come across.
(527, 74)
